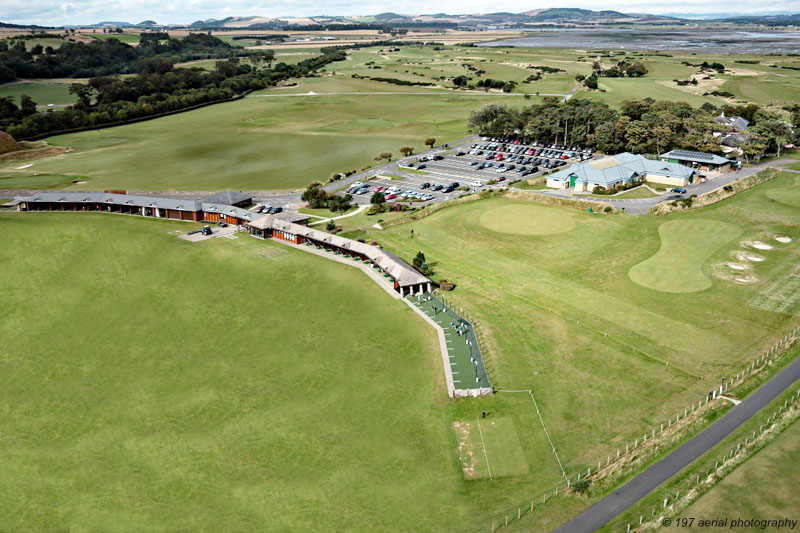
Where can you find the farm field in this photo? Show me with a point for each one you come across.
(596, 338)
(763, 487)
(216, 408)
(260, 143)
(43, 92)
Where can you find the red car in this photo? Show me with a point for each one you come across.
(530, 151)
(380, 189)
(391, 196)
(501, 178)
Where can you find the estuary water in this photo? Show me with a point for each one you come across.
(683, 40)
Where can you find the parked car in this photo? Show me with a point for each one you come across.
(473, 163)
(680, 190)
(425, 185)
(477, 183)
(437, 187)
(206, 230)
(391, 196)
(420, 167)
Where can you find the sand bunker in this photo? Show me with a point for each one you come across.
(783, 238)
(24, 166)
(745, 279)
(744, 255)
(737, 266)
(758, 245)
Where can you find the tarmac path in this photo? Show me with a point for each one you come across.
(624, 497)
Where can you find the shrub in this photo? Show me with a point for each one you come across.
(580, 486)
(446, 285)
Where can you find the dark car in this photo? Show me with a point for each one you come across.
(420, 167)
(437, 187)
(425, 185)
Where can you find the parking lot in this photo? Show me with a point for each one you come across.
(476, 165)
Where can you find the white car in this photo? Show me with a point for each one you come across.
(477, 183)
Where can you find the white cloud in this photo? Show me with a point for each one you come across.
(59, 12)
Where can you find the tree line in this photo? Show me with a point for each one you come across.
(643, 126)
(111, 56)
(158, 88)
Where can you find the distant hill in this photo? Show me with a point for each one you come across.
(573, 14)
(773, 19)
(554, 16)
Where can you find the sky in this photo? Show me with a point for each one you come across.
(68, 12)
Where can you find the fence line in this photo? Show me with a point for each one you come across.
(760, 362)
(722, 465)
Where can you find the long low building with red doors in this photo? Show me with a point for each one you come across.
(227, 206)
(406, 279)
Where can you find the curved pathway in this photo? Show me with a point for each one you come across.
(624, 497)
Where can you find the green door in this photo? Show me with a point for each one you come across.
(572, 180)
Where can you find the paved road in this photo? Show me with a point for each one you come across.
(612, 505)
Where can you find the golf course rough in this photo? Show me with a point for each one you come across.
(528, 220)
(685, 246)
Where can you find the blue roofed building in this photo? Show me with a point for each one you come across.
(612, 171)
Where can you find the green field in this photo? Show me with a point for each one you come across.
(260, 143)
(563, 317)
(129, 38)
(150, 384)
(43, 92)
(685, 246)
(764, 487)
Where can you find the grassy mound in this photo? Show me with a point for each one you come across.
(685, 246)
(528, 220)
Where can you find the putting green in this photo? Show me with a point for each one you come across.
(685, 246)
(528, 220)
(786, 195)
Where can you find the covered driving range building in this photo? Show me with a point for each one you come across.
(405, 279)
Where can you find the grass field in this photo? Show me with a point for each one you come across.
(561, 315)
(129, 38)
(43, 92)
(260, 143)
(150, 383)
(764, 487)
(256, 141)
(685, 246)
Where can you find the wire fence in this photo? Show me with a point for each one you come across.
(752, 369)
(670, 502)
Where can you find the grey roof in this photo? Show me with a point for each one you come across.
(401, 271)
(695, 157)
(735, 122)
(621, 168)
(116, 199)
(227, 197)
(226, 209)
(734, 139)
